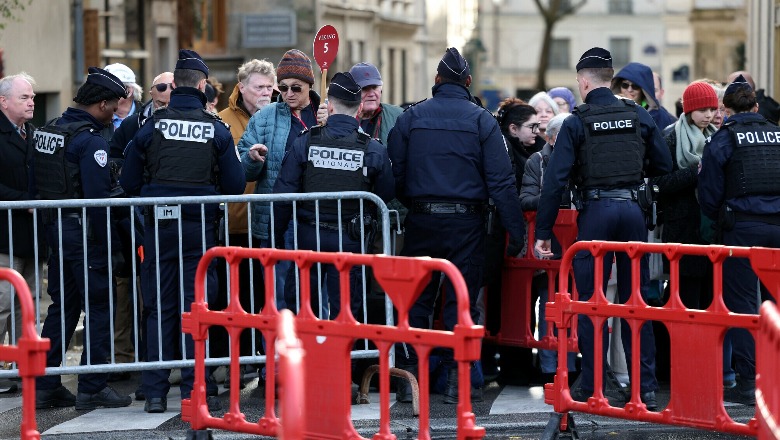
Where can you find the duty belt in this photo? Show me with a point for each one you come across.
(613, 194)
(322, 225)
(772, 219)
(446, 208)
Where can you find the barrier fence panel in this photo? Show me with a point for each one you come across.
(768, 373)
(516, 287)
(291, 379)
(195, 224)
(696, 336)
(29, 353)
(327, 344)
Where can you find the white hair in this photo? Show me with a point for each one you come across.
(543, 96)
(7, 83)
(138, 92)
(554, 126)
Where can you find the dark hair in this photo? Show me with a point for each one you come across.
(187, 77)
(513, 111)
(89, 94)
(743, 100)
(444, 79)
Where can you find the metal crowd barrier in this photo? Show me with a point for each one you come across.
(134, 208)
(768, 373)
(696, 337)
(29, 354)
(327, 343)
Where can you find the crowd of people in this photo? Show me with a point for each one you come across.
(461, 176)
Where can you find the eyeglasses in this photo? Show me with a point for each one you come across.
(534, 127)
(163, 87)
(295, 89)
(627, 85)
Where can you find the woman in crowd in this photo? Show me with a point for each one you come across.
(564, 98)
(545, 108)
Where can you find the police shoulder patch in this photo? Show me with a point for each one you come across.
(101, 158)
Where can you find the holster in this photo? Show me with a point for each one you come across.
(646, 198)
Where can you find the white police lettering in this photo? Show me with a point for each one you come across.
(48, 142)
(758, 137)
(185, 130)
(335, 158)
(613, 125)
(101, 158)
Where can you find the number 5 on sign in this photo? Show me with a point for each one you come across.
(326, 46)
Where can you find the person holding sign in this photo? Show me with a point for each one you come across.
(268, 134)
(335, 158)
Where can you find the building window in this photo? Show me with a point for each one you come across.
(210, 33)
(620, 48)
(621, 7)
(559, 53)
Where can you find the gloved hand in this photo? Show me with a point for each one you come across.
(515, 246)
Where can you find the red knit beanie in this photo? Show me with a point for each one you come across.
(697, 96)
(295, 64)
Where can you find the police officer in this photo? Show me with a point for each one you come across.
(606, 147)
(70, 161)
(448, 158)
(337, 157)
(182, 150)
(738, 184)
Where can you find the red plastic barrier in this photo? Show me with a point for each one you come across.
(768, 373)
(516, 294)
(291, 379)
(29, 353)
(696, 336)
(328, 343)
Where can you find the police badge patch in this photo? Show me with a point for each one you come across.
(101, 157)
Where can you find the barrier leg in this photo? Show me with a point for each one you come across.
(560, 426)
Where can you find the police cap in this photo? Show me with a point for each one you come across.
(189, 59)
(595, 58)
(739, 83)
(453, 66)
(107, 80)
(343, 87)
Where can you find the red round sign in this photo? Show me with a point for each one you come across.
(326, 46)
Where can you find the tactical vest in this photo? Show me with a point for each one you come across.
(752, 169)
(182, 150)
(336, 165)
(56, 177)
(613, 153)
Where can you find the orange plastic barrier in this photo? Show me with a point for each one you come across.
(696, 336)
(291, 379)
(768, 373)
(516, 294)
(29, 353)
(327, 344)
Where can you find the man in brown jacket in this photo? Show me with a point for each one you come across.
(256, 82)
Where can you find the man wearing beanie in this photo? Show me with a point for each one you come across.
(183, 151)
(448, 158)
(607, 200)
(269, 134)
(73, 142)
(306, 168)
(738, 185)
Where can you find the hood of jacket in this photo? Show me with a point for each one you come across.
(640, 75)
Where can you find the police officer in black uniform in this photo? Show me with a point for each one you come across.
(337, 157)
(606, 147)
(182, 150)
(70, 162)
(738, 183)
(448, 158)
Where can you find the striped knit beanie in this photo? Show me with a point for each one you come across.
(295, 64)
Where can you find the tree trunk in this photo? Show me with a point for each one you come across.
(544, 56)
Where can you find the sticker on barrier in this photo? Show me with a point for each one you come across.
(696, 337)
(29, 353)
(327, 344)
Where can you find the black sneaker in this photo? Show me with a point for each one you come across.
(59, 397)
(8, 386)
(744, 392)
(156, 405)
(107, 398)
(649, 400)
(579, 395)
(214, 404)
(139, 393)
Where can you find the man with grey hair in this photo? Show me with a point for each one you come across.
(17, 249)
